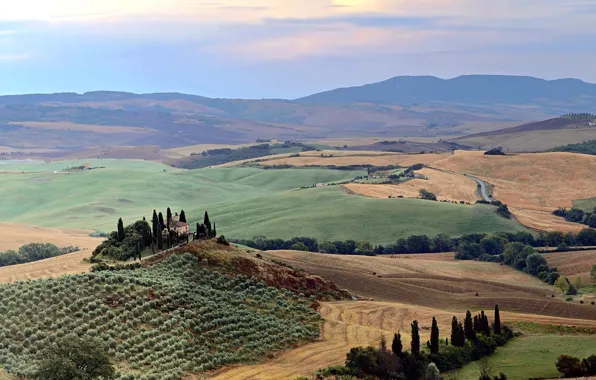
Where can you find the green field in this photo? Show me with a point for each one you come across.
(243, 202)
(533, 356)
(328, 213)
(586, 204)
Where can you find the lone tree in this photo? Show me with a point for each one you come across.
(396, 346)
(497, 322)
(121, 235)
(73, 358)
(415, 345)
(434, 337)
(469, 331)
(182, 217)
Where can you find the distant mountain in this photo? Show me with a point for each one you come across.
(554, 95)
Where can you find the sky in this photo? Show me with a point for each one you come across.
(284, 48)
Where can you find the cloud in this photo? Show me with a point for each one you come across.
(13, 57)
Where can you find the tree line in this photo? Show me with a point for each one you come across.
(579, 116)
(586, 147)
(33, 252)
(468, 341)
(490, 243)
(577, 215)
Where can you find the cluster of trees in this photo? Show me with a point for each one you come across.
(205, 230)
(523, 257)
(425, 194)
(126, 242)
(473, 245)
(577, 215)
(33, 252)
(571, 366)
(579, 116)
(498, 151)
(223, 155)
(471, 340)
(586, 147)
(502, 208)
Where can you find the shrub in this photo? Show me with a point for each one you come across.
(498, 151)
(425, 194)
(222, 240)
(569, 366)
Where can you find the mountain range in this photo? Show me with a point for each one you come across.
(398, 107)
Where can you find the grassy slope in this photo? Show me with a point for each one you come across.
(533, 356)
(585, 204)
(131, 189)
(330, 213)
(243, 202)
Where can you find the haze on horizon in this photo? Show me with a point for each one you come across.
(273, 49)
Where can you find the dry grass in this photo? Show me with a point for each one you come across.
(185, 151)
(357, 158)
(16, 235)
(533, 185)
(410, 287)
(573, 264)
(66, 125)
(530, 141)
(446, 186)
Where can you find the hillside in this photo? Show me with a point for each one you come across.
(54, 125)
(188, 312)
(535, 137)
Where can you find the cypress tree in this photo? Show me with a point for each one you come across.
(206, 221)
(455, 333)
(477, 326)
(160, 238)
(162, 225)
(434, 337)
(461, 339)
(485, 324)
(396, 346)
(168, 217)
(214, 231)
(497, 321)
(469, 331)
(120, 230)
(182, 217)
(415, 345)
(155, 222)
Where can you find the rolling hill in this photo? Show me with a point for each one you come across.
(402, 106)
(533, 137)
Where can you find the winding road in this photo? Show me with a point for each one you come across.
(482, 185)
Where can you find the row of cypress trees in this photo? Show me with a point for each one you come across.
(459, 332)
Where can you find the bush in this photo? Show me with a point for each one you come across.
(495, 152)
(569, 366)
(222, 240)
(425, 194)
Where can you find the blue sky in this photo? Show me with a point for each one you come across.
(285, 49)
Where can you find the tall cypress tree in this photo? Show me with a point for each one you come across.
(415, 345)
(168, 217)
(206, 221)
(461, 339)
(120, 230)
(214, 231)
(434, 337)
(455, 333)
(162, 225)
(497, 321)
(469, 331)
(396, 346)
(485, 324)
(182, 217)
(160, 239)
(154, 225)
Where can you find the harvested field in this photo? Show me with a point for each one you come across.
(359, 323)
(532, 185)
(358, 158)
(446, 186)
(20, 234)
(441, 284)
(573, 264)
